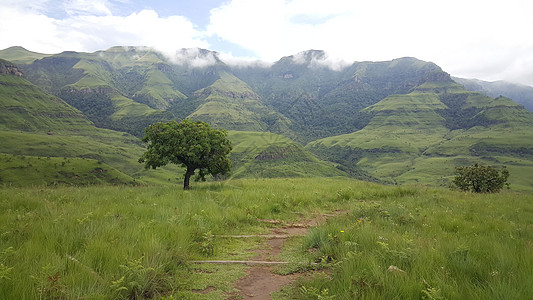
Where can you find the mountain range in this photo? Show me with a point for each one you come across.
(399, 121)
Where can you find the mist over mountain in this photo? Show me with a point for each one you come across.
(522, 94)
(399, 121)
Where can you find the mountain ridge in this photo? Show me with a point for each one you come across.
(401, 121)
(53, 143)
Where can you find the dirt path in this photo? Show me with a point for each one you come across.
(260, 281)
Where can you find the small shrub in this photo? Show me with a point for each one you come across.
(137, 281)
(314, 293)
(481, 179)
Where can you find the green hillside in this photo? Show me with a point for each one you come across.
(521, 94)
(19, 55)
(27, 108)
(45, 129)
(399, 121)
(102, 85)
(20, 170)
(422, 136)
(262, 154)
(127, 88)
(52, 142)
(229, 103)
(321, 101)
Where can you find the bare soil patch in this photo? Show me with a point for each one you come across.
(260, 281)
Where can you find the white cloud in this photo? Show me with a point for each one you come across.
(194, 57)
(145, 28)
(469, 38)
(320, 59)
(91, 27)
(87, 7)
(34, 31)
(487, 39)
(243, 62)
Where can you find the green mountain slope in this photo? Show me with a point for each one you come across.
(302, 96)
(521, 94)
(320, 100)
(19, 55)
(263, 154)
(51, 142)
(26, 108)
(423, 135)
(229, 103)
(103, 84)
(400, 121)
(43, 128)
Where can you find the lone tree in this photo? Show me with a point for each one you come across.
(481, 179)
(193, 145)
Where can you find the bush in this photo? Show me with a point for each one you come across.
(481, 179)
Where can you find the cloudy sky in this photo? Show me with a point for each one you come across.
(485, 39)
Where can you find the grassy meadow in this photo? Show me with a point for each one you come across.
(136, 242)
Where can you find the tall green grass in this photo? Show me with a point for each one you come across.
(446, 245)
(113, 242)
(133, 242)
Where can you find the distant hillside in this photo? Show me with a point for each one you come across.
(300, 96)
(229, 103)
(521, 94)
(38, 130)
(26, 107)
(19, 55)
(49, 142)
(423, 135)
(399, 121)
(92, 84)
(265, 155)
(321, 101)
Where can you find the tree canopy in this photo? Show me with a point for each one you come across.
(481, 179)
(191, 144)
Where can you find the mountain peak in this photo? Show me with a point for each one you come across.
(306, 57)
(18, 54)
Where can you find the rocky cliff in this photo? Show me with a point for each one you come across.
(8, 68)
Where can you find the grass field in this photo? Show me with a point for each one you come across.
(20, 170)
(113, 242)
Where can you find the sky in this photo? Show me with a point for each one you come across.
(485, 39)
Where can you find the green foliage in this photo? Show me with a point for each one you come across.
(193, 145)
(314, 293)
(137, 281)
(481, 179)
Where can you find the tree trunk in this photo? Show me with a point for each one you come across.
(188, 174)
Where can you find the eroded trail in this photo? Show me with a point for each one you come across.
(260, 280)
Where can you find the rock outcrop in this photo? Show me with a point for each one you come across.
(8, 68)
